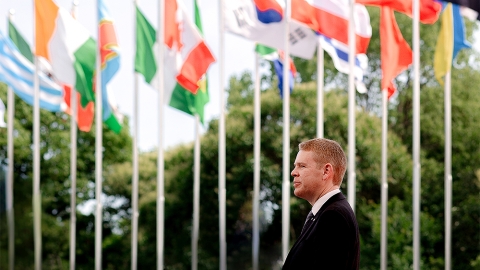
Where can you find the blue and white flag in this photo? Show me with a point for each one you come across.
(17, 72)
(338, 51)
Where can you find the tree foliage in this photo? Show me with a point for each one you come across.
(55, 186)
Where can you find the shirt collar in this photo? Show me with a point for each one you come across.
(321, 201)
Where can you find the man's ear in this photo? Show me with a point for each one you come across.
(328, 171)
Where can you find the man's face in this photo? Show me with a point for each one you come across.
(308, 182)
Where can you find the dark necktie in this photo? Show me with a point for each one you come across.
(308, 221)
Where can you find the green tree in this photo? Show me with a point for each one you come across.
(55, 186)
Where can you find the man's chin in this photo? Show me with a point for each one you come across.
(297, 193)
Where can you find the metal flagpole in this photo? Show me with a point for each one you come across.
(10, 210)
(286, 138)
(320, 79)
(98, 157)
(221, 146)
(135, 167)
(448, 170)
(351, 107)
(160, 159)
(256, 167)
(37, 230)
(196, 194)
(135, 176)
(416, 136)
(73, 164)
(384, 186)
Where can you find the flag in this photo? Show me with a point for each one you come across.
(2, 114)
(395, 53)
(185, 101)
(277, 57)
(262, 21)
(85, 114)
(110, 63)
(186, 50)
(145, 62)
(339, 54)
(18, 73)
(429, 9)
(471, 4)
(187, 57)
(451, 40)
(67, 46)
(19, 41)
(330, 18)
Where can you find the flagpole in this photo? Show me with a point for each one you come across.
(73, 165)
(10, 210)
(286, 138)
(384, 186)
(196, 194)
(221, 145)
(37, 230)
(256, 167)
(448, 170)
(416, 136)
(351, 107)
(135, 176)
(320, 79)
(98, 155)
(160, 159)
(135, 214)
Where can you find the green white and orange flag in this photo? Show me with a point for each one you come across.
(67, 46)
(187, 59)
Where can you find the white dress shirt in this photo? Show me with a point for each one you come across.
(319, 203)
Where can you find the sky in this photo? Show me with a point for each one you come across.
(178, 126)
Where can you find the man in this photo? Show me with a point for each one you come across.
(329, 238)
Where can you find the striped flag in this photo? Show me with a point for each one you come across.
(18, 72)
(67, 46)
(187, 57)
(110, 63)
(451, 40)
(473, 5)
(330, 18)
(185, 101)
(339, 54)
(84, 115)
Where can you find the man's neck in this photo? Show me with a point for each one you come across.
(325, 191)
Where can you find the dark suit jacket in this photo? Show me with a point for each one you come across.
(330, 241)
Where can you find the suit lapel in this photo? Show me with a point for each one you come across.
(308, 227)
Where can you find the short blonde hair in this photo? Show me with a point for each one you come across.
(327, 151)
